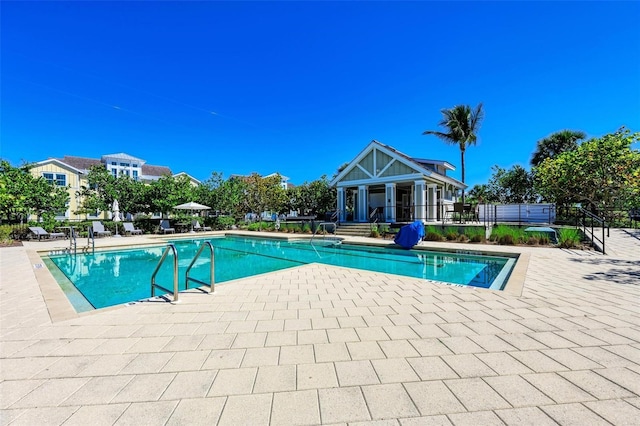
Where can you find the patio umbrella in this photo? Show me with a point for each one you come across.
(115, 208)
(192, 206)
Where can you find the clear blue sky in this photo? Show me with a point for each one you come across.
(302, 87)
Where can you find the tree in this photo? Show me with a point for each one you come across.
(480, 194)
(462, 124)
(602, 172)
(167, 192)
(313, 197)
(100, 191)
(513, 186)
(22, 194)
(265, 194)
(231, 197)
(557, 143)
(14, 187)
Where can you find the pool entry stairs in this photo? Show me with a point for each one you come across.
(354, 229)
(171, 249)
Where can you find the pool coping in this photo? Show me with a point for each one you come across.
(61, 309)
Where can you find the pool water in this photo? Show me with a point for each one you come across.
(110, 278)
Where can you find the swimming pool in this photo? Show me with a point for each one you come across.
(110, 278)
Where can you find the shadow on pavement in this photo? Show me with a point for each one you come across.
(619, 271)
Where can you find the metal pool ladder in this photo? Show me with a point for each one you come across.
(154, 285)
(211, 283)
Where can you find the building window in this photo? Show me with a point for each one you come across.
(135, 165)
(114, 163)
(61, 180)
(58, 179)
(124, 164)
(135, 175)
(114, 172)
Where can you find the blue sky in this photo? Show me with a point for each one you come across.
(302, 87)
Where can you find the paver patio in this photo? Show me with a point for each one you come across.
(329, 345)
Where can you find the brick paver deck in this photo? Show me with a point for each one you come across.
(328, 345)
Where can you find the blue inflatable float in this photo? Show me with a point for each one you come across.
(410, 235)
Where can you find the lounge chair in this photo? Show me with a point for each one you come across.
(98, 229)
(40, 233)
(166, 227)
(129, 229)
(197, 227)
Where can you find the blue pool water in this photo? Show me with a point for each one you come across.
(110, 278)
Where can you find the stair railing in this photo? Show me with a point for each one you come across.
(170, 249)
(211, 283)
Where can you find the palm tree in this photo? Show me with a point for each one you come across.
(462, 124)
(559, 142)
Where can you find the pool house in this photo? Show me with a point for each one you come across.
(383, 184)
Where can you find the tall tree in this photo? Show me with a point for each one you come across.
(557, 143)
(462, 124)
(602, 172)
(513, 186)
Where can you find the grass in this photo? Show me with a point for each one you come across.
(508, 235)
(569, 238)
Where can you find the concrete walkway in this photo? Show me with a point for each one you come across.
(329, 345)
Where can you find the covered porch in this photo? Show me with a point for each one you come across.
(396, 202)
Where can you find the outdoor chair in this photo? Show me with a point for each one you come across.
(197, 227)
(448, 213)
(458, 208)
(39, 232)
(129, 229)
(165, 227)
(98, 229)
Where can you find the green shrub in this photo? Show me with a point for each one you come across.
(477, 238)
(374, 232)
(568, 237)
(510, 235)
(543, 239)
(5, 234)
(431, 233)
(451, 234)
(463, 238)
(306, 228)
(506, 240)
(533, 240)
(255, 226)
(224, 222)
(284, 228)
(475, 235)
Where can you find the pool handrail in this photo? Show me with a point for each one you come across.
(170, 248)
(211, 283)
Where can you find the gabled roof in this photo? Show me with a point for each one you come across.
(155, 170)
(60, 163)
(442, 163)
(417, 164)
(83, 164)
(283, 177)
(80, 163)
(123, 156)
(187, 175)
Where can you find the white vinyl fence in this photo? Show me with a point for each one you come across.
(525, 213)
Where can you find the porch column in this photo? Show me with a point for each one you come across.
(432, 190)
(342, 204)
(390, 202)
(419, 201)
(363, 203)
